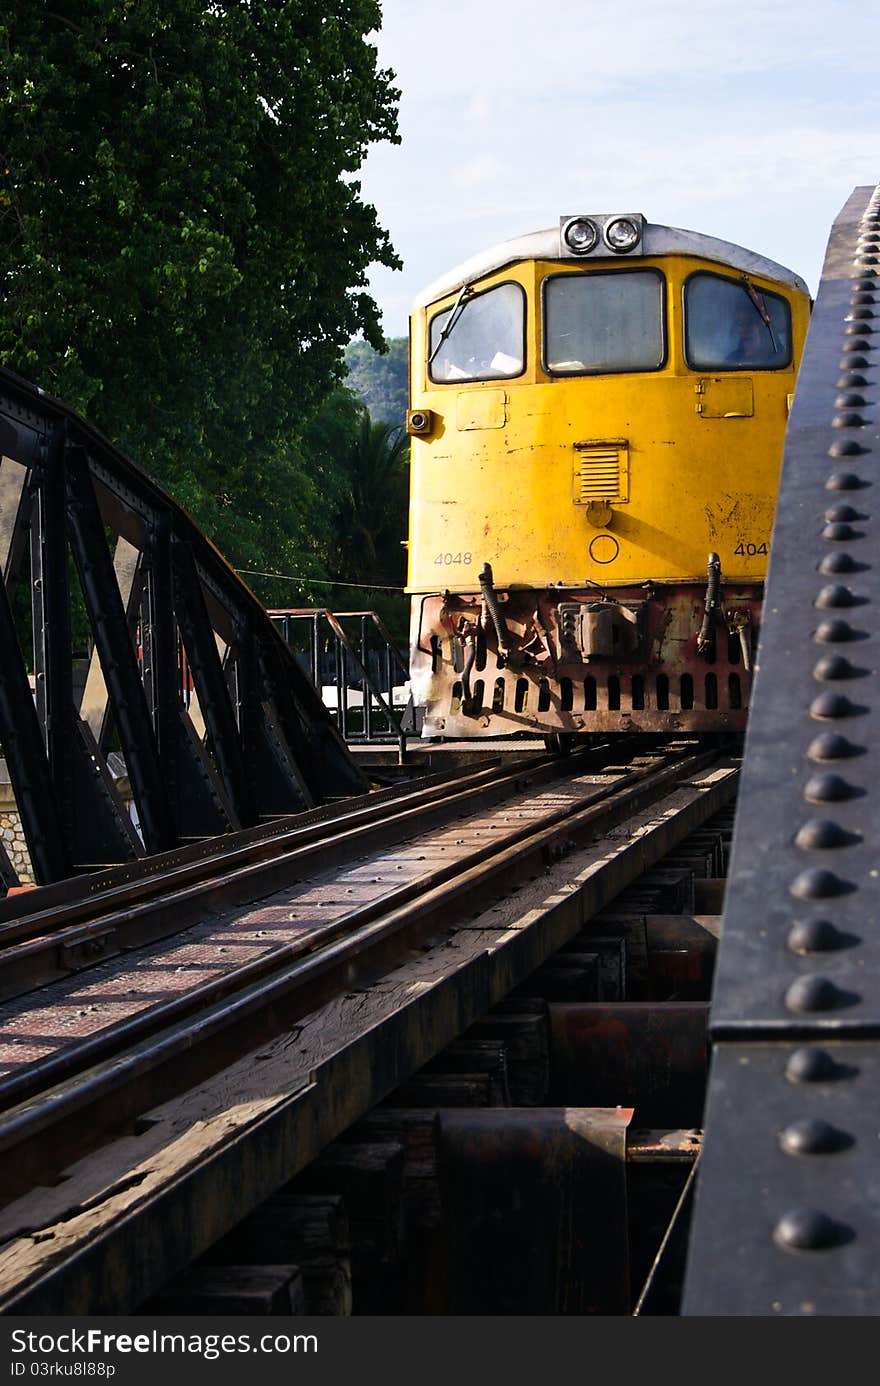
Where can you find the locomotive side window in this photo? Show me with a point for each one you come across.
(603, 323)
(731, 325)
(482, 337)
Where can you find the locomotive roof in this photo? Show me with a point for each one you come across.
(656, 240)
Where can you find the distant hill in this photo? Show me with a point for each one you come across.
(380, 381)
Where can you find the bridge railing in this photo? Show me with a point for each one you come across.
(356, 666)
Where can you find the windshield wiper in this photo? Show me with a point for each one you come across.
(457, 310)
(761, 308)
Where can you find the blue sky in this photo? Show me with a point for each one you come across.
(750, 121)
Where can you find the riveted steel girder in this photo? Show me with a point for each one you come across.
(172, 629)
(785, 1218)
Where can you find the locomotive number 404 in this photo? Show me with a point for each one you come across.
(751, 549)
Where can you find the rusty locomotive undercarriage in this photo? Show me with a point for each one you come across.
(658, 657)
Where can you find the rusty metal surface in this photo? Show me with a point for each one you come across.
(534, 1203)
(647, 1056)
(664, 684)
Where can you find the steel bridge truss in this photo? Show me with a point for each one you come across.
(190, 693)
(787, 1209)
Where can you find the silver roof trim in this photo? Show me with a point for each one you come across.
(657, 240)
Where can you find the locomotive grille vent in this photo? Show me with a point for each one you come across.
(601, 472)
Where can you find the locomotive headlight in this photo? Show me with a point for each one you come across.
(580, 235)
(621, 235)
(419, 421)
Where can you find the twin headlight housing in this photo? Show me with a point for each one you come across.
(619, 232)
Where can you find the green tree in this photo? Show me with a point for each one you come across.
(370, 522)
(183, 245)
(380, 379)
(354, 555)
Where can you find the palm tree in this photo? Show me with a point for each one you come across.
(372, 514)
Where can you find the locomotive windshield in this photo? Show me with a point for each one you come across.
(730, 325)
(603, 322)
(482, 337)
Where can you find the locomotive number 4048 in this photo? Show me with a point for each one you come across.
(446, 560)
(751, 550)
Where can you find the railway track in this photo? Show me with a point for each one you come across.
(136, 1005)
(543, 1163)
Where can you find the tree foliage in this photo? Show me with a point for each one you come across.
(380, 379)
(183, 246)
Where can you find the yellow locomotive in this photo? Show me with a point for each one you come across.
(597, 419)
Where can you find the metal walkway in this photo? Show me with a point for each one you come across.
(787, 1212)
(214, 723)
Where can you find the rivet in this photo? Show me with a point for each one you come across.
(837, 514)
(812, 1136)
(822, 834)
(851, 379)
(805, 1229)
(847, 447)
(834, 594)
(848, 421)
(817, 883)
(854, 363)
(837, 563)
(832, 746)
(843, 481)
(834, 666)
(858, 329)
(810, 1065)
(834, 630)
(809, 994)
(828, 789)
(868, 259)
(859, 314)
(814, 936)
(851, 400)
(839, 533)
(830, 705)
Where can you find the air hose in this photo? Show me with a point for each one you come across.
(490, 601)
(713, 604)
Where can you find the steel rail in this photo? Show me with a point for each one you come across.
(42, 1072)
(44, 946)
(77, 895)
(80, 897)
(215, 1024)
